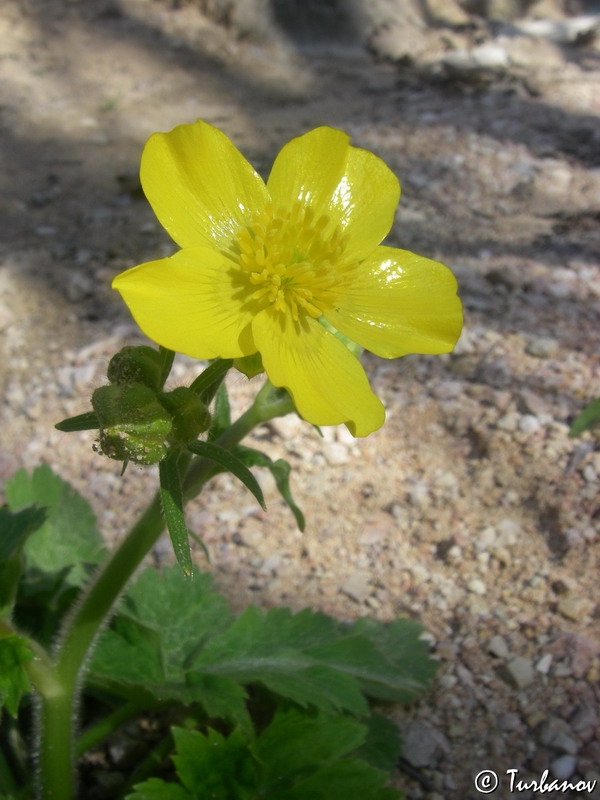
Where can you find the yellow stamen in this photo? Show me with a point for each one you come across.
(295, 259)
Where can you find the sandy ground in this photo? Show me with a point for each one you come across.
(471, 509)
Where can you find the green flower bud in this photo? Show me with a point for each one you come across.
(189, 414)
(249, 365)
(133, 423)
(136, 365)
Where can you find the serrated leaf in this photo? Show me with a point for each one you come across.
(274, 649)
(14, 654)
(404, 653)
(350, 778)
(88, 421)
(280, 470)
(299, 756)
(16, 527)
(214, 766)
(382, 747)
(226, 459)
(297, 742)
(172, 506)
(587, 419)
(69, 537)
(163, 621)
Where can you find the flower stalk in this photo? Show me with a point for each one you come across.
(59, 685)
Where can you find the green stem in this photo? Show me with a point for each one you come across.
(8, 784)
(59, 698)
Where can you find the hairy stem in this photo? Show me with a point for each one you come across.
(59, 697)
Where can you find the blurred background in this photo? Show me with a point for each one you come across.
(471, 510)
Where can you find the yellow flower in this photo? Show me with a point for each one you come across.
(274, 268)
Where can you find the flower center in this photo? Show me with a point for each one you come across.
(294, 260)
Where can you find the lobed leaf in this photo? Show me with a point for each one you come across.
(14, 654)
(299, 756)
(15, 527)
(69, 538)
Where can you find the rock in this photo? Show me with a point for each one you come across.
(584, 717)
(497, 646)
(490, 56)
(573, 608)
(544, 663)
(551, 731)
(357, 586)
(447, 12)
(422, 745)
(336, 453)
(476, 586)
(79, 286)
(529, 424)
(582, 651)
(541, 347)
(563, 767)
(518, 672)
(509, 722)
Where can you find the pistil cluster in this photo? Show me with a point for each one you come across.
(295, 259)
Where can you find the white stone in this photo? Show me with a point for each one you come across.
(476, 586)
(529, 423)
(544, 663)
(563, 767)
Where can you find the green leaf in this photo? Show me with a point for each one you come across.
(14, 654)
(69, 537)
(403, 654)
(172, 505)
(231, 463)
(156, 789)
(350, 779)
(275, 649)
(14, 530)
(88, 421)
(297, 742)
(280, 470)
(167, 358)
(299, 756)
(382, 747)
(162, 623)
(209, 382)
(215, 767)
(588, 418)
(222, 412)
(16, 527)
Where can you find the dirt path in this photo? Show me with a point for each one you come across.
(471, 509)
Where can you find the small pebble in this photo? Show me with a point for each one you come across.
(519, 672)
(563, 767)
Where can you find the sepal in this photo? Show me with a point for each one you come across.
(140, 364)
(190, 415)
(133, 423)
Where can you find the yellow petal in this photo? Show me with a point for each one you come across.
(190, 303)
(400, 303)
(326, 381)
(352, 186)
(200, 186)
